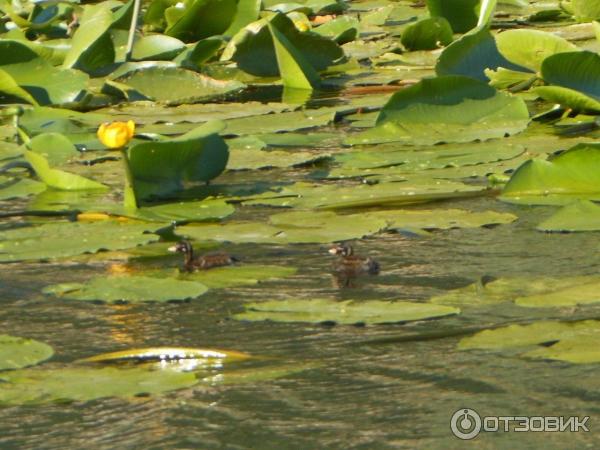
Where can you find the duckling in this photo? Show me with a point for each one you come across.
(204, 262)
(351, 265)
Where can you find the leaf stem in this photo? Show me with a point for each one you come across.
(132, 28)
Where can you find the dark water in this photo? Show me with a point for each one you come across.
(373, 387)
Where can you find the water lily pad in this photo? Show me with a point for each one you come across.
(244, 274)
(55, 147)
(523, 336)
(59, 179)
(313, 229)
(253, 48)
(175, 212)
(529, 48)
(19, 187)
(524, 291)
(175, 85)
(440, 219)
(17, 352)
(347, 312)
(446, 109)
(131, 289)
(462, 14)
(198, 19)
(572, 175)
(156, 47)
(58, 240)
(578, 216)
(162, 167)
(38, 386)
(244, 159)
(335, 197)
(427, 34)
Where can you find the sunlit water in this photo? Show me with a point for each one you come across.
(369, 389)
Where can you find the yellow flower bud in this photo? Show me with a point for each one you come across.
(116, 134)
(301, 26)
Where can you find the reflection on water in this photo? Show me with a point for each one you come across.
(387, 386)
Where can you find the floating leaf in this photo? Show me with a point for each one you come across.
(156, 47)
(584, 10)
(55, 147)
(462, 14)
(254, 51)
(244, 274)
(161, 167)
(175, 85)
(57, 240)
(575, 71)
(529, 48)
(198, 19)
(427, 34)
(9, 87)
(579, 294)
(92, 47)
(41, 386)
(131, 289)
(59, 179)
(16, 352)
(471, 55)
(446, 109)
(578, 216)
(575, 342)
(574, 174)
(347, 312)
(19, 187)
(174, 212)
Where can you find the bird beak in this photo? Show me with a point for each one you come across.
(172, 249)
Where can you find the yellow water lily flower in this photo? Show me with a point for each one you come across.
(116, 134)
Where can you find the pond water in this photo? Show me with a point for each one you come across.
(386, 386)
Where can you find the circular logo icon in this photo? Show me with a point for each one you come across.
(465, 424)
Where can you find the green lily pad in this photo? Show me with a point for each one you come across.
(342, 29)
(471, 55)
(524, 291)
(577, 350)
(440, 219)
(446, 109)
(92, 47)
(322, 228)
(162, 167)
(19, 187)
(578, 216)
(515, 336)
(174, 85)
(39, 386)
(156, 47)
(55, 147)
(244, 274)
(175, 212)
(584, 10)
(427, 34)
(529, 48)
(59, 179)
(131, 289)
(253, 48)
(59, 240)
(245, 159)
(572, 175)
(16, 352)
(335, 197)
(347, 312)
(9, 87)
(462, 14)
(579, 294)
(44, 83)
(193, 20)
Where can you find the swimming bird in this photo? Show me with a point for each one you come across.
(204, 262)
(350, 266)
